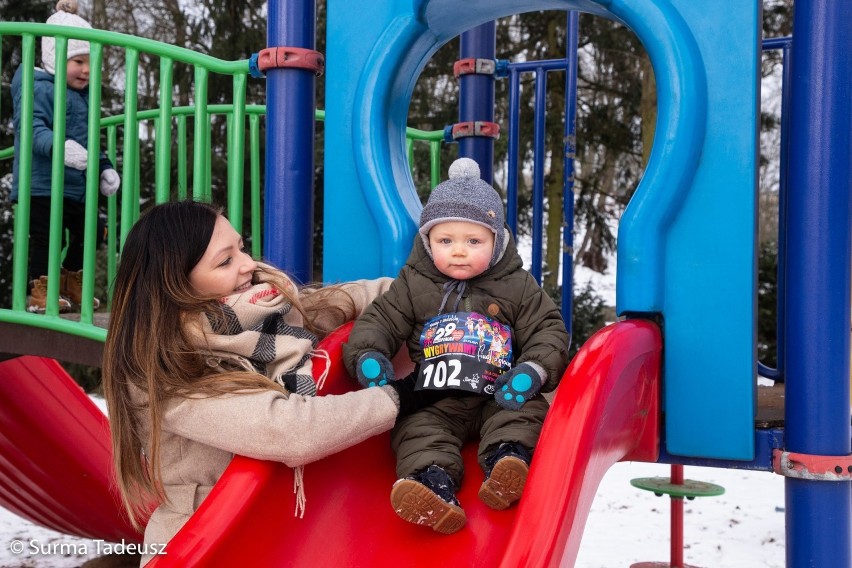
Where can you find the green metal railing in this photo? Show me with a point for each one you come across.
(435, 138)
(122, 141)
(169, 55)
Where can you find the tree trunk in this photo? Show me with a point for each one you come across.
(553, 183)
(99, 14)
(592, 253)
(553, 227)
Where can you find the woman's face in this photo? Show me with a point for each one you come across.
(225, 268)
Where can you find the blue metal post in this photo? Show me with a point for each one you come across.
(476, 96)
(514, 71)
(289, 171)
(816, 351)
(780, 278)
(539, 155)
(514, 158)
(572, 36)
(784, 44)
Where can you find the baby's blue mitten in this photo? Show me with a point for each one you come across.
(374, 369)
(517, 386)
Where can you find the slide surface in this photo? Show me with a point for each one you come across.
(606, 410)
(55, 453)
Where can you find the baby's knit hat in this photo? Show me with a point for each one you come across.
(66, 15)
(465, 197)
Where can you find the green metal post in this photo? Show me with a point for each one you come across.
(92, 182)
(20, 256)
(435, 162)
(130, 201)
(181, 157)
(57, 178)
(254, 136)
(112, 215)
(235, 154)
(164, 133)
(199, 150)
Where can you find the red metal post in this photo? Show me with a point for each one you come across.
(677, 520)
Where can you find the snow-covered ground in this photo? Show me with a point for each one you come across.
(743, 527)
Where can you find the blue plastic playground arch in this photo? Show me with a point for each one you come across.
(407, 42)
(686, 244)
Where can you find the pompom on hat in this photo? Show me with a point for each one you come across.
(66, 15)
(465, 197)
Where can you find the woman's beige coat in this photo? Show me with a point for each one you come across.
(199, 436)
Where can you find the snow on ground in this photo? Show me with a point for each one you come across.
(743, 527)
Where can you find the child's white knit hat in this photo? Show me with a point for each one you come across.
(66, 15)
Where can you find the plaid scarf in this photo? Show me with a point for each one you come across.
(260, 330)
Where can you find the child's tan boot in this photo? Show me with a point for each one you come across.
(72, 288)
(38, 298)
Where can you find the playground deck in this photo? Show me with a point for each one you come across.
(29, 340)
(770, 407)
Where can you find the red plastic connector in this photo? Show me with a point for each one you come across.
(805, 466)
(476, 128)
(473, 65)
(297, 57)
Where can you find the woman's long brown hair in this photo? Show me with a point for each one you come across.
(148, 357)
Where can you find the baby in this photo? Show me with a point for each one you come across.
(486, 340)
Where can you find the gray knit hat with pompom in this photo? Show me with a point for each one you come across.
(465, 197)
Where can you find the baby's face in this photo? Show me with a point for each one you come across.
(77, 72)
(461, 250)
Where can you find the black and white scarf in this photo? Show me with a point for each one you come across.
(261, 328)
(260, 331)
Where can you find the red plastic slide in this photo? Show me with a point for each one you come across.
(606, 410)
(55, 453)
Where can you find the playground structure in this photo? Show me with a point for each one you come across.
(686, 258)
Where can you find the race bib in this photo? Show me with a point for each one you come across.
(464, 351)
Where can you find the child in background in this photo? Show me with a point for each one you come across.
(485, 339)
(76, 140)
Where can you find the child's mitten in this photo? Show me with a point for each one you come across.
(374, 369)
(517, 386)
(109, 182)
(75, 155)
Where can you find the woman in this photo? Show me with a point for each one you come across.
(198, 329)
